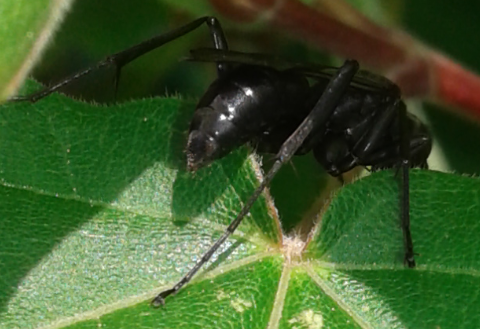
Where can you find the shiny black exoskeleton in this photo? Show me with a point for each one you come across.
(244, 105)
(347, 117)
(263, 106)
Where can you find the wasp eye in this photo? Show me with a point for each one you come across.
(201, 150)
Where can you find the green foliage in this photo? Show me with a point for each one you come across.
(97, 206)
(97, 215)
(26, 24)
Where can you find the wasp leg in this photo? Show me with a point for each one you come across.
(316, 119)
(122, 58)
(367, 149)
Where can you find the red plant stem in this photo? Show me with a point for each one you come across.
(456, 86)
(420, 72)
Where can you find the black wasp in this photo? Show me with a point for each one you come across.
(346, 117)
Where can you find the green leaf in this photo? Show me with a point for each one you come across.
(359, 235)
(94, 198)
(97, 215)
(26, 27)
